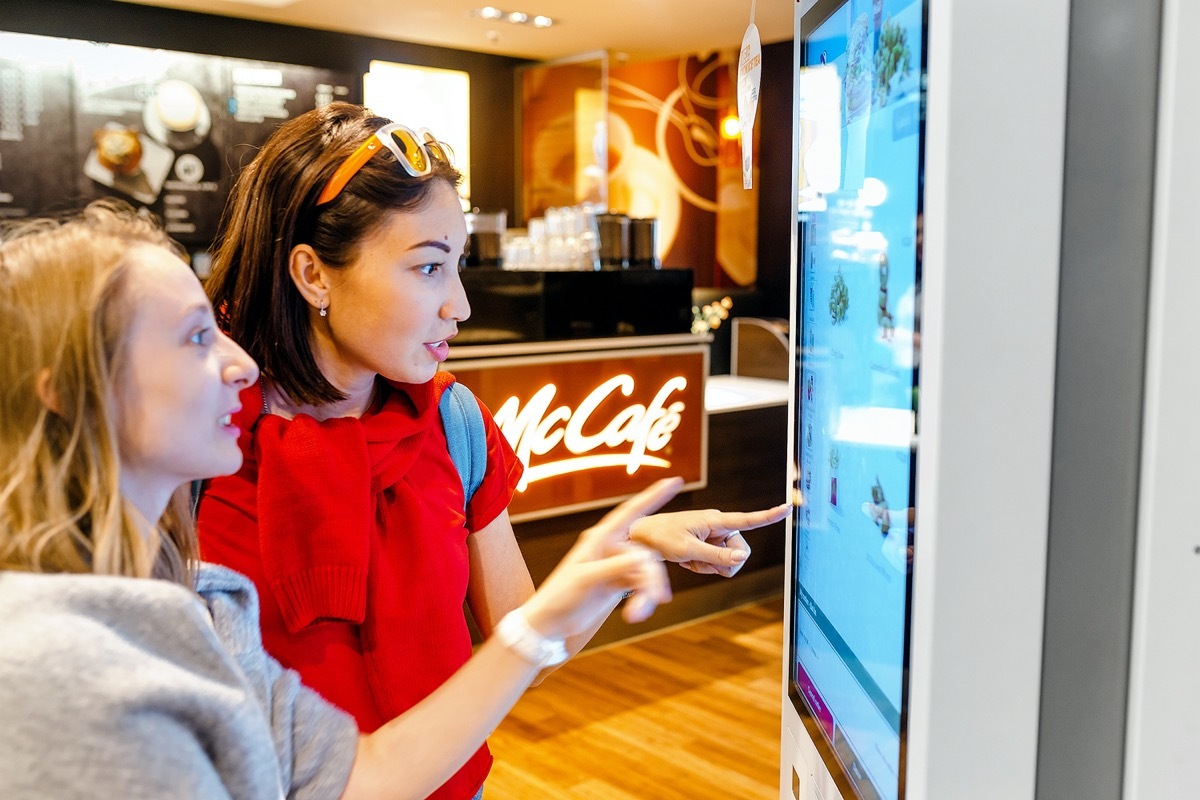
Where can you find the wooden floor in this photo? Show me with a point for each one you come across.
(690, 713)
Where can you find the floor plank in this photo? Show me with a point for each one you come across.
(690, 713)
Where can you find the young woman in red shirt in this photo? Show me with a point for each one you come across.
(336, 268)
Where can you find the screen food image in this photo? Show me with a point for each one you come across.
(858, 301)
(118, 149)
(127, 161)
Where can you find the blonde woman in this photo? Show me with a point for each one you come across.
(127, 668)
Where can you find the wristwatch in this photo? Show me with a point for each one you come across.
(515, 633)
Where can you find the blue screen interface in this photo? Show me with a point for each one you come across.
(858, 339)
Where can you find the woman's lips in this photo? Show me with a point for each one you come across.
(227, 424)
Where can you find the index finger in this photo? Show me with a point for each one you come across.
(748, 520)
(644, 502)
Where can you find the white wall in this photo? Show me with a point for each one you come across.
(1163, 744)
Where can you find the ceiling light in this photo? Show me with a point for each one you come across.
(515, 17)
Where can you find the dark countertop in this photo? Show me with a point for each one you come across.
(509, 306)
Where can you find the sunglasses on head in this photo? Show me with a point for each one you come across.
(414, 150)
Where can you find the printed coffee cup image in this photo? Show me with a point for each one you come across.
(176, 115)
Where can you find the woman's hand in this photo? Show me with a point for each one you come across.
(705, 541)
(601, 566)
(413, 754)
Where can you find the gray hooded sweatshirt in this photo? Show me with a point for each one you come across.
(130, 688)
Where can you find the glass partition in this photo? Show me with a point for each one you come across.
(563, 124)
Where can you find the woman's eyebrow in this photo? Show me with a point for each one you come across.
(195, 309)
(438, 243)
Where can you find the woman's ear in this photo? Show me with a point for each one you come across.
(309, 275)
(44, 386)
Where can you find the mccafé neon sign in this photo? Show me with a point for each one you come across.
(592, 428)
(536, 430)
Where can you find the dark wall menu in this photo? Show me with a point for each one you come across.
(161, 129)
(37, 141)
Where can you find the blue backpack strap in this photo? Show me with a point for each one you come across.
(465, 435)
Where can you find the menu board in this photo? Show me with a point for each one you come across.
(37, 141)
(160, 129)
(857, 383)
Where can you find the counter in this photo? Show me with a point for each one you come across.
(513, 306)
(726, 393)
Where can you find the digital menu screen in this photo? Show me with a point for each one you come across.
(857, 381)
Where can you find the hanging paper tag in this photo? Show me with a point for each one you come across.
(749, 77)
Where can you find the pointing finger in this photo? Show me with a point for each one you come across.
(644, 502)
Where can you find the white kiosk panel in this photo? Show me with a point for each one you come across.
(929, 187)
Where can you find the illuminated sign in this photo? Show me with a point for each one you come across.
(592, 428)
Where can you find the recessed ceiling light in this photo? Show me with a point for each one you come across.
(515, 17)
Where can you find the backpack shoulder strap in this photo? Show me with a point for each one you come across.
(465, 435)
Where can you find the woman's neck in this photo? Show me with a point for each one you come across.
(358, 401)
(148, 497)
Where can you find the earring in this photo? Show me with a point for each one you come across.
(323, 312)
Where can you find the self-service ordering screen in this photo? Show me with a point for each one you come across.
(857, 379)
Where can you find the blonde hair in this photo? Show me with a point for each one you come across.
(64, 312)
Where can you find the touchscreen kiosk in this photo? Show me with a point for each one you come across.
(856, 333)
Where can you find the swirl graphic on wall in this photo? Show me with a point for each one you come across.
(657, 176)
(642, 139)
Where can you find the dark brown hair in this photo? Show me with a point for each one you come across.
(272, 209)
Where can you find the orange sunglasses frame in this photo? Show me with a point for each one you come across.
(427, 148)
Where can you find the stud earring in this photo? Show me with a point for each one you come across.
(323, 312)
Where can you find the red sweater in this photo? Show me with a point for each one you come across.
(354, 533)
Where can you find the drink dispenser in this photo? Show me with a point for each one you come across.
(614, 240)
(485, 230)
(643, 243)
